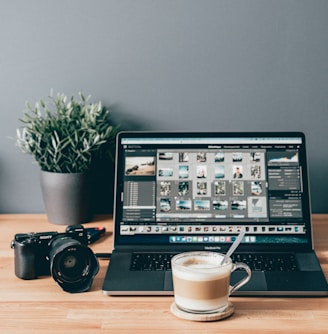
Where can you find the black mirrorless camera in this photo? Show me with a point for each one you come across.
(64, 256)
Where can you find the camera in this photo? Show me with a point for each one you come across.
(64, 256)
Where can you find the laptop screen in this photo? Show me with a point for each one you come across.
(203, 188)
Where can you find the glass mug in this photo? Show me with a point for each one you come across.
(202, 283)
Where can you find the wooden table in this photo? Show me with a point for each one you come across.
(40, 306)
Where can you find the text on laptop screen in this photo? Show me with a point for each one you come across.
(206, 189)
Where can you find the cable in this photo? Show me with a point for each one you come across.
(103, 256)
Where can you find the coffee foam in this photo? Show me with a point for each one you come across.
(202, 268)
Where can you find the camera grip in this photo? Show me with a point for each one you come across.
(24, 260)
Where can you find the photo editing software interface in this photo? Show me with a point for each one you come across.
(205, 190)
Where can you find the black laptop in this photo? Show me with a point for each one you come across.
(183, 191)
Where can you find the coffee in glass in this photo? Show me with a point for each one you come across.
(202, 283)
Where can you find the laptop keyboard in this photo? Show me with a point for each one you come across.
(257, 262)
(268, 262)
(151, 261)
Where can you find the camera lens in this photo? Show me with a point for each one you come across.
(70, 267)
(72, 264)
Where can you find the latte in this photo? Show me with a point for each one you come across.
(200, 282)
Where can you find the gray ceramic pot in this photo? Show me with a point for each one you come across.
(66, 197)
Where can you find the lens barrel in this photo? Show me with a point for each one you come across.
(72, 265)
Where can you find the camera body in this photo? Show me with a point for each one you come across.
(65, 256)
(32, 250)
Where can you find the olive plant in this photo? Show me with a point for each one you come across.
(64, 135)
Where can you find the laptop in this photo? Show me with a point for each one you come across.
(186, 191)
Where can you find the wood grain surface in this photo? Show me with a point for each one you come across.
(40, 306)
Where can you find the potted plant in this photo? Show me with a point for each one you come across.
(65, 136)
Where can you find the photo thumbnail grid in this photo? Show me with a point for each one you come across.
(224, 184)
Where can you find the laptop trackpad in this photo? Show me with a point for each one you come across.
(256, 283)
(168, 282)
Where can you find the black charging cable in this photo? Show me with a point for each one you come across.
(103, 256)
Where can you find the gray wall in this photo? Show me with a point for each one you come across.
(167, 64)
